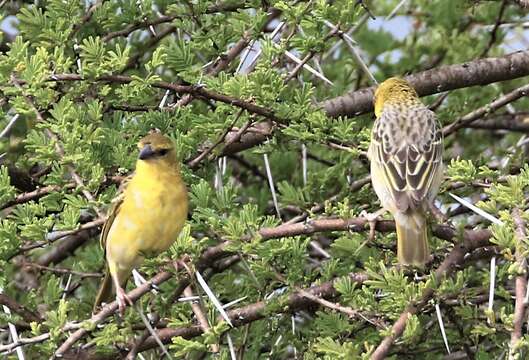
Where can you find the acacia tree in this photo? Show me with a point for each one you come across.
(268, 103)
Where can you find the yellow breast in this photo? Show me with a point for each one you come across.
(152, 214)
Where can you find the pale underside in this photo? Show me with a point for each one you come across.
(144, 223)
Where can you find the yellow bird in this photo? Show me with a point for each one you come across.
(406, 154)
(146, 219)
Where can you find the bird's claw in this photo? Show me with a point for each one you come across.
(372, 219)
(438, 214)
(122, 299)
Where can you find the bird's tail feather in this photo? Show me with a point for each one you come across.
(105, 292)
(412, 239)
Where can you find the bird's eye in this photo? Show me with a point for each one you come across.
(162, 152)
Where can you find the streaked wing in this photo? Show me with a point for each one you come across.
(410, 156)
(113, 211)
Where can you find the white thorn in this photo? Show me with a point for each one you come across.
(492, 284)
(275, 344)
(276, 292)
(349, 32)
(441, 326)
(319, 249)
(351, 44)
(232, 349)
(271, 184)
(306, 67)
(164, 100)
(395, 9)
(304, 163)
(9, 126)
(293, 325)
(224, 164)
(152, 331)
(218, 175)
(213, 298)
(140, 280)
(231, 303)
(477, 210)
(259, 52)
(247, 51)
(13, 332)
(153, 32)
(66, 287)
(188, 298)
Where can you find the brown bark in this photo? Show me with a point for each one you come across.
(443, 78)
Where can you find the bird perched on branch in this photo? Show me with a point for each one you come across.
(146, 219)
(406, 164)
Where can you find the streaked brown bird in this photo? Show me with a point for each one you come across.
(406, 153)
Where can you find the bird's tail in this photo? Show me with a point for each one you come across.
(412, 239)
(106, 291)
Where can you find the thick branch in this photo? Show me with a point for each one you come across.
(516, 123)
(21, 310)
(237, 141)
(449, 77)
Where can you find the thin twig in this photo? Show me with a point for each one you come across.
(36, 194)
(194, 163)
(395, 10)
(494, 32)
(197, 308)
(351, 44)
(62, 270)
(485, 110)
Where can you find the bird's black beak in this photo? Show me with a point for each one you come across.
(147, 152)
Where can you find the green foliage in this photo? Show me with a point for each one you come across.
(88, 84)
(331, 349)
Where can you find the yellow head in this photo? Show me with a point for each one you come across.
(156, 149)
(394, 90)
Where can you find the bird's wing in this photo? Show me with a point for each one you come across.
(410, 156)
(113, 212)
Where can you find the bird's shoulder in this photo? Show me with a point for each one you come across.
(398, 125)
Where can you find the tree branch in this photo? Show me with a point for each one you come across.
(487, 109)
(35, 194)
(26, 314)
(195, 90)
(472, 239)
(448, 77)
(253, 312)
